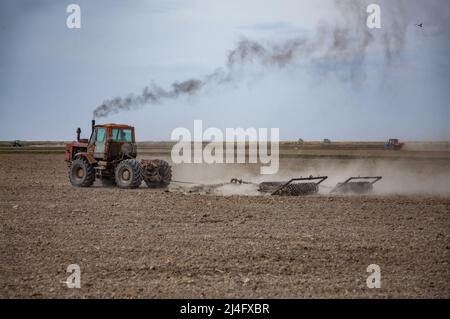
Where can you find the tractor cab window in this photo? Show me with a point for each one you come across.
(99, 142)
(121, 135)
(100, 135)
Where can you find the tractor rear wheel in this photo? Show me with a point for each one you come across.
(129, 174)
(157, 173)
(81, 173)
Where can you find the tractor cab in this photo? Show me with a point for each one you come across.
(111, 142)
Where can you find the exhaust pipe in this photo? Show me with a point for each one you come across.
(78, 134)
(93, 124)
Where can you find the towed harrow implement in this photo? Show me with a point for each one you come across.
(356, 185)
(294, 187)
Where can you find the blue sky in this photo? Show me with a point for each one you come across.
(53, 77)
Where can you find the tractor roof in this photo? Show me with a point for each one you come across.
(114, 125)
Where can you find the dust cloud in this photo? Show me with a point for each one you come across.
(400, 176)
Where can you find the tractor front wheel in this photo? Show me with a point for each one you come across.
(81, 173)
(129, 174)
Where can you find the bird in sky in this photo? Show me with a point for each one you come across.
(420, 25)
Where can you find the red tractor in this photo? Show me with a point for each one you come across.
(110, 155)
(393, 144)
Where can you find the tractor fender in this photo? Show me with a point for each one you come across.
(88, 156)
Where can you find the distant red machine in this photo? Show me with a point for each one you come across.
(393, 144)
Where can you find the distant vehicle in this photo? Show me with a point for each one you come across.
(17, 143)
(393, 144)
(326, 140)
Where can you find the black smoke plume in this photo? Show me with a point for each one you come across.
(340, 43)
